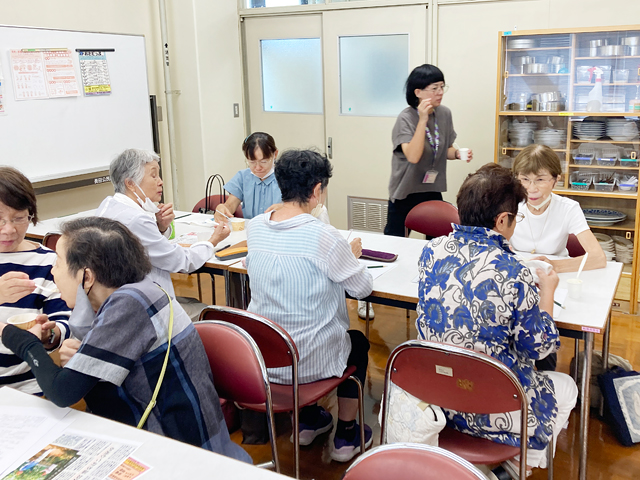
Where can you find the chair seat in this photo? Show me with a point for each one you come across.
(309, 393)
(479, 451)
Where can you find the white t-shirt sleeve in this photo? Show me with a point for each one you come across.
(576, 223)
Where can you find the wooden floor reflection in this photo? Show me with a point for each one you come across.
(607, 458)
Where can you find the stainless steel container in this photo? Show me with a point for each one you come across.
(611, 50)
(593, 51)
(596, 43)
(557, 68)
(633, 50)
(523, 60)
(635, 41)
(536, 68)
(555, 60)
(550, 96)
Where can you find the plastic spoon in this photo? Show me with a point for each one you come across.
(584, 260)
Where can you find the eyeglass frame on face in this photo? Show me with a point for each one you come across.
(538, 182)
(263, 163)
(17, 221)
(518, 216)
(444, 87)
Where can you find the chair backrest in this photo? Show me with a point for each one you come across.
(275, 344)
(455, 378)
(432, 218)
(574, 247)
(50, 240)
(411, 461)
(239, 373)
(214, 201)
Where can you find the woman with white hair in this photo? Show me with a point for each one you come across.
(135, 175)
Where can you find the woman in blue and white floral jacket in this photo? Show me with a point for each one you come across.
(476, 294)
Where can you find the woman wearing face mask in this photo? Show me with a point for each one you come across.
(423, 139)
(135, 175)
(254, 187)
(128, 325)
(550, 218)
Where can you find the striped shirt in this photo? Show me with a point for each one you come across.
(37, 264)
(300, 269)
(125, 349)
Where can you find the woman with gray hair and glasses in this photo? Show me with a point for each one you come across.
(135, 175)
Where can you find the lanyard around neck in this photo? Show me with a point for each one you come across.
(434, 140)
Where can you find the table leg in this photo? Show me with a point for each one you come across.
(227, 288)
(585, 405)
(366, 321)
(576, 355)
(605, 355)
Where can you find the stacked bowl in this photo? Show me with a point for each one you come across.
(624, 249)
(607, 244)
(550, 137)
(521, 134)
(622, 130)
(589, 130)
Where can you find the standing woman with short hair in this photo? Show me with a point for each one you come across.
(423, 138)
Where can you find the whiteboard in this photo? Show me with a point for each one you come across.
(60, 137)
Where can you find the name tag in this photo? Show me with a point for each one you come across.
(430, 176)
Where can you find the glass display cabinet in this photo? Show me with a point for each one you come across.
(578, 92)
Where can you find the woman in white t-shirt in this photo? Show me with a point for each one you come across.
(550, 218)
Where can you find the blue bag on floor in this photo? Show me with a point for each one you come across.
(621, 391)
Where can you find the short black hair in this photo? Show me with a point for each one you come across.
(108, 248)
(17, 192)
(299, 171)
(421, 77)
(487, 193)
(261, 140)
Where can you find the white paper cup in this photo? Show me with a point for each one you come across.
(23, 321)
(575, 287)
(237, 224)
(464, 154)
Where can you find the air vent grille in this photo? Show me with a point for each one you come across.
(369, 214)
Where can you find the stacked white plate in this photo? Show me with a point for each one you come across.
(624, 249)
(522, 43)
(521, 134)
(602, 217)
(550, 137)
(608, 246)
(589, 130)
(622, 130)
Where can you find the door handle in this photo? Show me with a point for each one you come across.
(330, 147)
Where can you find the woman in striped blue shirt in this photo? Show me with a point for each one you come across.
(24, 268)
(300, 269)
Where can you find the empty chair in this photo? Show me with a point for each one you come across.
(432, 218)
(411, 461)
(239, 373)
(464, 380)
(279, 350)
(574, 247)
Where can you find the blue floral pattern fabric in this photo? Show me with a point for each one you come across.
(474, 293)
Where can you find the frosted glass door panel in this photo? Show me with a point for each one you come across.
(292, 75)
(373, 70)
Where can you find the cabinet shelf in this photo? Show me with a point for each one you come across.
(604, 85)
(522, 148)
(610, 57)
(627, 225)
(595, 193)
(539, 75)
(573, 165)
(576, 140)
(536, 48)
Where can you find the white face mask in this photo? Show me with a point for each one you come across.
(82, 316)
(147, 205)
(270, 172)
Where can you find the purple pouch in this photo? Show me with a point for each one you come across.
(379, 256)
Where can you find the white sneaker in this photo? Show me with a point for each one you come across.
(362, 310)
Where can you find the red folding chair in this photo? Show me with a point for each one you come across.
(411, 461)
(213, 202)
(574, 246)
(460, 379)
(50, 240)
(239, 373)
(432, 218)
(279, 350)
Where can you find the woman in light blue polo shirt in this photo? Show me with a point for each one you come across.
(255, 187)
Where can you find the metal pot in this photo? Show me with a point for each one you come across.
(555, 60)
(635, 41)
(550, 96)
(611, 50)
(536, 68)
(633, 50)
(517, 106)
(593, 51)
(523, 60)
(596, 43)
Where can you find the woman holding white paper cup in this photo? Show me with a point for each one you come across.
(550, 218)
(254, 187)
(423, 140)
(135, 175)
(27, 291)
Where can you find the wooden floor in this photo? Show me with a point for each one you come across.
(607, 458)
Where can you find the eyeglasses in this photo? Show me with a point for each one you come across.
(538, 182)
(518, 216)
(437, 88)
(263, 163)
(17, 221)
